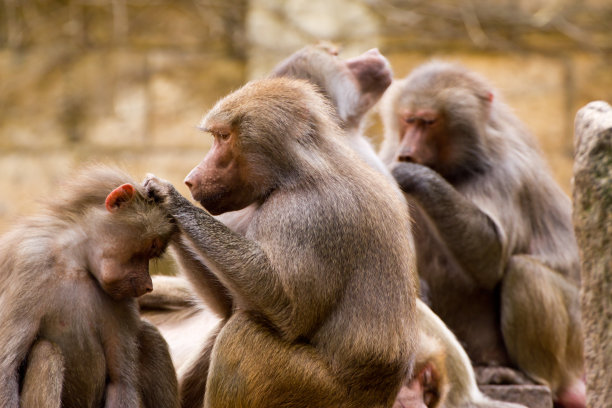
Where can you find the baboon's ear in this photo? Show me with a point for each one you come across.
(119, 197)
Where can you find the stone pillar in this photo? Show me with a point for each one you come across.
(277, 28)
(592, 194)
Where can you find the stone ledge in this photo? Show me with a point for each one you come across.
(532, 396)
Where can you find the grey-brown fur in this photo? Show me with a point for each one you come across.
(324, 295)
(81, 341)
(493, 227)
(451, 381)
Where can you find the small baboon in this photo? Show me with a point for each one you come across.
(322, 286)
(70, 330)
(492, 226)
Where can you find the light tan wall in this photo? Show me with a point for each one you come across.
(121, 82)
(126, 81)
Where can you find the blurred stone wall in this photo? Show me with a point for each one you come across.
(126, 81)
(118, 82)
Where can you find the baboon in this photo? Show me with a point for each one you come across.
(70, 330)
(492, 226)
(354, 86)
(322, 287)
(443, 372)
(353, 93)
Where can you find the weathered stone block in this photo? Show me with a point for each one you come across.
(592, 191)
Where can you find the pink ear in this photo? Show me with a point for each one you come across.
(490, 96)
(119, 196)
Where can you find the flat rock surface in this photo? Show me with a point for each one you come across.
(532, 396)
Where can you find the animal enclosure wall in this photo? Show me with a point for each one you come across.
(126, 81)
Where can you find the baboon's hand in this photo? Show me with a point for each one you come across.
(414, 178)
(159, 190)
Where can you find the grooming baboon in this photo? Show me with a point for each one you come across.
(443, 370)
(70, 326)
(492, 227)
(323, 289)
(353, 86)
